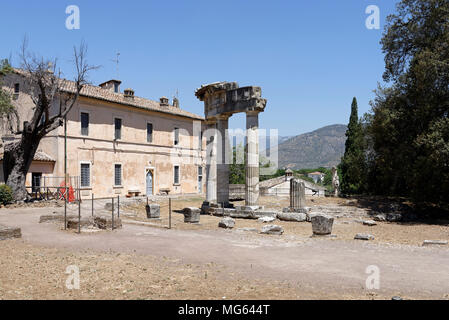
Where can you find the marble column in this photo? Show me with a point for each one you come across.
(252, 158)
(297, 195)
(223, 160)
(211, 161)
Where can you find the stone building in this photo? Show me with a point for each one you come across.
(280, 186)
(117, 143)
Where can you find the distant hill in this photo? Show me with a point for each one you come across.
(321, 148)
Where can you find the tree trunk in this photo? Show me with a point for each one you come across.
(16, 163)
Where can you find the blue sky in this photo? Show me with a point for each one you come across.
(309, 57)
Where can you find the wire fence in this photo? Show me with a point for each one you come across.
(157, 211)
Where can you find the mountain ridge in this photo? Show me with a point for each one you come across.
(323, 147)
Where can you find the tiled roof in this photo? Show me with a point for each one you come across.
(39, 156)
(96, 92)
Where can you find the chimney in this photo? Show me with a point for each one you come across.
(175, 102)
(164, 102)
(111, 85)
(129, 93)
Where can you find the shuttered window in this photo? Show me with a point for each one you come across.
(176, 132)
(84, 124)
(176, 175)
(149, 132)
(85, 175)
(118, 128)
(118, 175)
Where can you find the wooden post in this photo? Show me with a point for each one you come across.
(65, 209)
(169, 213)
(79, 216)
(113, 213)
(118, 207)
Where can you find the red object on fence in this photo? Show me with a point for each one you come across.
(63, 195)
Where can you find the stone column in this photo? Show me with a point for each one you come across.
(223, 160)
(297, 195)
(252, 158)
(211, 162)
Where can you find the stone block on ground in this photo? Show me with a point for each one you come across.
(293, 210)
(84, 222)
(266, 219)
(192, 215)
(366, 237)
(434, 243)
(56, 218)
(292, 216)
(153, 211)
(393, 217)
(273, 230)
(105, 222)
(370, 223)
(227, 223)
(248, 230)
(221, 212)
(322, 224)
(379, 218)
(9, 232)
(310, 215)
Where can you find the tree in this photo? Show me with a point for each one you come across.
(53, 98)
(7, 109)
(237, 167)
(353, 162)
(409, 125)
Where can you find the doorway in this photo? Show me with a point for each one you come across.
(149, 180)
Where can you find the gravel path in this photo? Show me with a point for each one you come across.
(329, 265)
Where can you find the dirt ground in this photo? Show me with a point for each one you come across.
(148, 261)
(34, 272)
(345, 228)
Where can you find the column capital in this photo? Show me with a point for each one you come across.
(223, 117)
(252, 113)
(210, 121)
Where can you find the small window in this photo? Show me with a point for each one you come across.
(116, 88)
(176, 175)
(149, 132)
(85, 175)
(118, 175)
(16, 88)
(84, 124)
(118, 128)
(176, 132)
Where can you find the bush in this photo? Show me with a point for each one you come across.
(5, 194)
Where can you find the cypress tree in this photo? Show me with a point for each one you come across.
(353, 162)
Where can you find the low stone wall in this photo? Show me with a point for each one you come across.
(9, 233)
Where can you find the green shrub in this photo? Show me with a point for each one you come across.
(5, 194)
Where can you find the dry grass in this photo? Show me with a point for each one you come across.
(345, 228)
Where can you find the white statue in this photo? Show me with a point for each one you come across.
(335, 182)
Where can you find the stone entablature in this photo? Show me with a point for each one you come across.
(226, 98)
(221, 101)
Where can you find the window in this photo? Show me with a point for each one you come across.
(176, 175)
(118, 128)
(16, 88)
(84, 124)
(85, 175)
(176, 132)
(118, 175)
(149, 132)
(116, 87)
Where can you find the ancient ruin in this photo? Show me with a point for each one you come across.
(221, 101)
